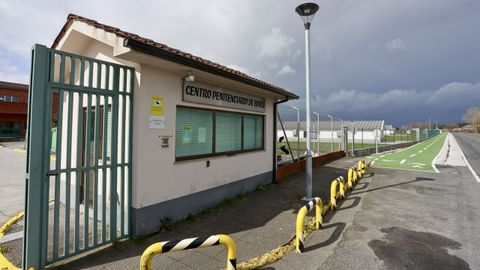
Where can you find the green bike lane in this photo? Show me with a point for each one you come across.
(418, 157)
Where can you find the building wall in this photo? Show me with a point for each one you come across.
(14, 112)
(162, 187)
(157, 176)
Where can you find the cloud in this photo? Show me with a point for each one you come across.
(11, 71)
(455, 94)
(354, 45)
(286, 70)
(408, 105)
(274, 44)
(395, 45)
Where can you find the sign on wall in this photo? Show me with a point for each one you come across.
(213, 95)
(157, 114)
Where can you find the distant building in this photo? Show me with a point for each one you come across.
(13, 110)
(364, 129)
(389, 130)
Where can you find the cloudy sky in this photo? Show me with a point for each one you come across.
(402, 61)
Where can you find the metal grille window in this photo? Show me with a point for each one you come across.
(203, 133)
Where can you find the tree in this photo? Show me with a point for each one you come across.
(472, 116)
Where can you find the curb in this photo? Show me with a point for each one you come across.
(4, 263)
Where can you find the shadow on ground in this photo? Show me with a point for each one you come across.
(253, 211)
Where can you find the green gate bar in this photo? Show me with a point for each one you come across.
(104, 103)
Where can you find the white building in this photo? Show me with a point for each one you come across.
(365, 130)
(201, 131)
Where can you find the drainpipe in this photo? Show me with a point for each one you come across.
(275, 105)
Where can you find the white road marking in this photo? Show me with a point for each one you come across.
(403, 161)
(469, 166)
(372, 162)
(413, 155)
(416, 163)
(388, 160)
(419, 152)
(417, 166)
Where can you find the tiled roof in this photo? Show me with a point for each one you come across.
(172, 53)
(13, 86)
(326, 125)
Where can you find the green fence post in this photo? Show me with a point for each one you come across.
(36, 191)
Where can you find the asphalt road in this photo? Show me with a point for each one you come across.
(470, 145)
(397, 219)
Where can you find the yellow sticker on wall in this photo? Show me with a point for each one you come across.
(157, 106)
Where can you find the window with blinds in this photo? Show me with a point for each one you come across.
(228, 128)
(252, 132)
(194, 130)
(202, 133)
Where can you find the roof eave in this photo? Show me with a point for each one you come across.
(154, 51)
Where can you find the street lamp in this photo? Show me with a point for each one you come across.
(298, 131)
(318, 132)
(307, 12)
(331, 131)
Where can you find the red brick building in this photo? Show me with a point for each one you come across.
(13, 110)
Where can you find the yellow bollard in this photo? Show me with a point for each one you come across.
(359, 174)
(361, 168)
(343, 188)
(232, 251)
(190, 243)
(352, 177)
(302, 213)
(333, 194)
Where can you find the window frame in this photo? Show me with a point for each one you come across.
(214, 133)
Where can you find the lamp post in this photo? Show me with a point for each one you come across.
(331, 131)
(298, 131)
(318, 132)
(307, 12)
(353, 138)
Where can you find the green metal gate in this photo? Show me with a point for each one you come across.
(79, 196)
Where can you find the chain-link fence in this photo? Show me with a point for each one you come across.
(330, 134)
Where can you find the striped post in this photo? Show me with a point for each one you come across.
(341, 180)
(302, 213)
(190, 243)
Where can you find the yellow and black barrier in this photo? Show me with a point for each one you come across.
(343, 187)
(338, 183)
(352, 177)
(362, 168)
(190, 243)
(302, 213)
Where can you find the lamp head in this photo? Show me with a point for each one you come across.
(307, 12)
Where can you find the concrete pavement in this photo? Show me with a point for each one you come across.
(12, 179)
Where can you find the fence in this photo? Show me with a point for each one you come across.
(335, 135)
